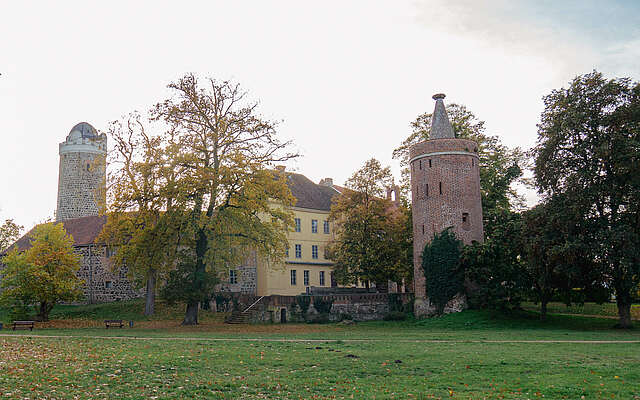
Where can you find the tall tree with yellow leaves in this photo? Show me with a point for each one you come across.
(224, 195)
(139, 224)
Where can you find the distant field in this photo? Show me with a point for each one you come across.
(448, 357)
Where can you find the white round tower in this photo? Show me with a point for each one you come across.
(83, 173)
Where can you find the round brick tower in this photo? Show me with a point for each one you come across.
(82, 176)
(445, 192)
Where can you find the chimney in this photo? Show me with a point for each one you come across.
(440, 126)
(280, 168)
(326, 182)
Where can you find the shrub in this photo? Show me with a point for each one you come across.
(322, 306)
(396, 304)
(321, 318)
(303, 302)
(395, 316)
(345, 317)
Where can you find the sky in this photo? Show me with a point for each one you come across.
(345, 78)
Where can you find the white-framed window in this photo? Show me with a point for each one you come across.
(298, 224)
(298, 251)
(326, 227)
(293, 277)
(286, 252)
(314, 226)
(314, 251)
(321, 278)
(305, 275)
(233, 276)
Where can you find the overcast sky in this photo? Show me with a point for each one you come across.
(346, 77)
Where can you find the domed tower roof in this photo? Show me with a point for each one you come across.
(84, 129)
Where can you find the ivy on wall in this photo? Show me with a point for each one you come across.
(442, 268)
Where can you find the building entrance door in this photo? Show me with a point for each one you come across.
(283, 315)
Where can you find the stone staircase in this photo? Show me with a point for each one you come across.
(238, 317)
(242, 317)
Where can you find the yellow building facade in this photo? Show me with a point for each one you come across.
(306, 263)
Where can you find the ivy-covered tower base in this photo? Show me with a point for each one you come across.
(445, 193)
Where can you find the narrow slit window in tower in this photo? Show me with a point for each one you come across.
(423, 229)
(426, 190)
(466, 224)
(440, 187)
(420, 163)
(473, 162)
(429, 163)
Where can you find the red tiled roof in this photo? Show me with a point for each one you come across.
(84, 231)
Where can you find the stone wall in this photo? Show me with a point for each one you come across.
(81, 178)
(246, 277)
(101, 283)
(358, 307)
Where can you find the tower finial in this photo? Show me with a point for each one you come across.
(440, 126)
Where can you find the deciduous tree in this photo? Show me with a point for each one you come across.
(588, 152)
(9, 233)
(555, 250)
(226, 196)
(141, 227)
(45, 273)
(373, 235)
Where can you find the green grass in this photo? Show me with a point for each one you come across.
(447, 357)
(118, 368)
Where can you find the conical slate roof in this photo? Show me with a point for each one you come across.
(440, 126)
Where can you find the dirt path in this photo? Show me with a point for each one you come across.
(444, 341)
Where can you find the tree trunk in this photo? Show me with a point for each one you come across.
(191, 315)
(624, 313)
(149, 306)
(45, 308)
(543, 310)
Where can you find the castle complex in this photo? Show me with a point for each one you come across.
(445, 189)
(445, 192)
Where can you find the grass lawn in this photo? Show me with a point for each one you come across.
(448, 357)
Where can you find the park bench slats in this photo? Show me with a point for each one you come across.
(113, 322)
(23, 325)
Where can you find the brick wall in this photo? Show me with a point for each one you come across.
(445, 192)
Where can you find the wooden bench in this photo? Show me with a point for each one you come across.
(113, 322)
(23, 325)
